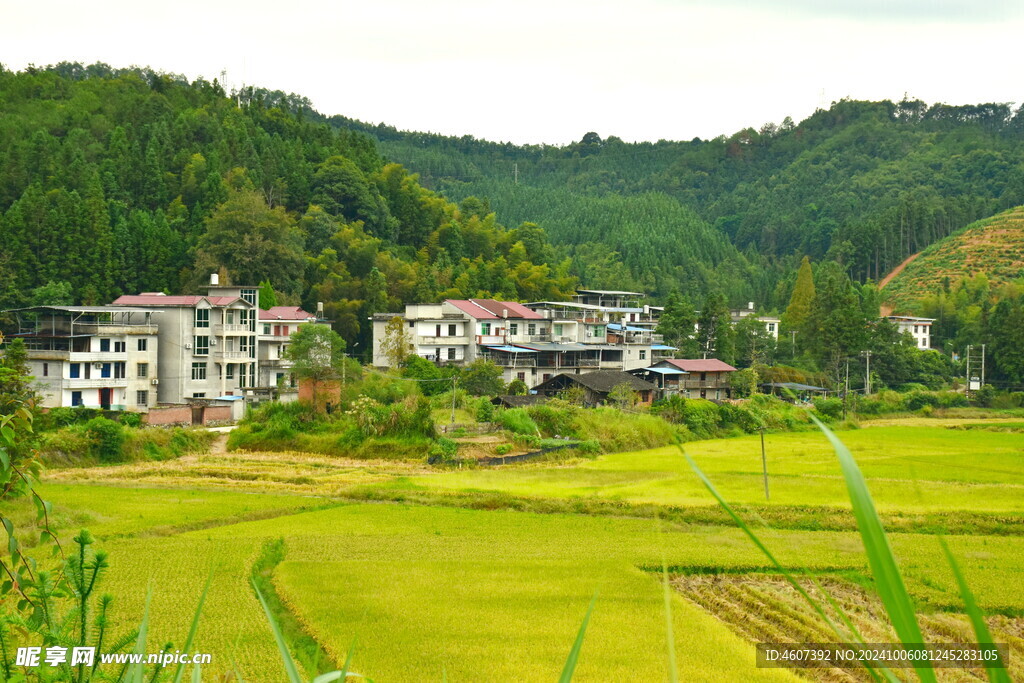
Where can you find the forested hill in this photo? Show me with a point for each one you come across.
(865, 183)
(125, 180)
(992, 249)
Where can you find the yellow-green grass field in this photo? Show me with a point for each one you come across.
(476, 594)
(908, 469)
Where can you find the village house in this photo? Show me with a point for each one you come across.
(919, 328)
(597, 386)
(701, 378)
(92, 356)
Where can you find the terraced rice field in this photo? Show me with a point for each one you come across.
(437, 590)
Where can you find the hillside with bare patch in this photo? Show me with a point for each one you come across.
(993, 246)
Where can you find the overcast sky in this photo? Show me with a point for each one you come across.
(551, 70)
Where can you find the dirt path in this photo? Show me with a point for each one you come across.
(897, 270)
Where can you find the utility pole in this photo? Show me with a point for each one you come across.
(515, 173)
(792, 335)
(982, 365)
(846, 387)
(764, 465)
(455, 379)
(867, 372)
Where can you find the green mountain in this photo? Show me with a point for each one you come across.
(993, 248)
(864, 183)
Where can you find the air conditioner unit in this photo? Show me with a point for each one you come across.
(98, 366)
(188, 345)
(213, 342)
(154, 381)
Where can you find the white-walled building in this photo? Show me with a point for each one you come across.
(92, 356)
(919, 328)
(276, 325)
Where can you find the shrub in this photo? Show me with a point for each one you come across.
(916, 400)
(108, 437)
(443, 451)
(484, 410)
(503, 449)
(555, 418)
(517, 421)
(829, 409)
(700, 416)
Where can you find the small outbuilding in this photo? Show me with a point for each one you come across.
(597, 385)
(787, 390)
(513, 401)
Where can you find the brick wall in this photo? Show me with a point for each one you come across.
(168, 415)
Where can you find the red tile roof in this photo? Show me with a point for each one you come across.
(285, 313)
(489, 309)
(172, 300)
(700, 364)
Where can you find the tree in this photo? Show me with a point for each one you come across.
(801, 300)
(317, 354)
(623, 396)
(396, 343)
(253, 241)
(715, 335)
(677, 325)
(482, 378)
(428, 375)
(52, 294)
(268, 299)
(754, 344)
(517, 387)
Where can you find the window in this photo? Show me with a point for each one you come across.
(75, 370)
(105, 370)
(249, 295)
(643, 354)
(277, 331)
(266, 329)
(46, 369)
(558, 330)
(140, 345)
(451, 353)
(76, 398)
(202, 317)
(120, 370)
(142, 370)
(202, 346)
(521, 376)
(142, 398)
(437, 330)
(412, 323)
(200, 394)
(199, 371)
(231, 371)
(513, 328)
(599, 330)
(703, 376)
(531, 329)
(120, 347)
(485, 328)
(104, 345)
(452, 331)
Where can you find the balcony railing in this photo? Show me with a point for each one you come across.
(221, 329)
(231, 355)
(97, 383)
(512, 361)
(433, 339)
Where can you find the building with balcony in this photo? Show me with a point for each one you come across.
(276, 325)
(700, 378)
(93, 356)
(918, 328)
(208, 344)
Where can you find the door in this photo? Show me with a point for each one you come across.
(105, 396)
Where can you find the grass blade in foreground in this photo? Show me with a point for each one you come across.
(673, 675)
(778, 565)
(888, 580)
(282, 647)
(135, 670)
(996, 670)
(195, 627)
(574, 654)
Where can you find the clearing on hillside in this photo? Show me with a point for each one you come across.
(993, 246)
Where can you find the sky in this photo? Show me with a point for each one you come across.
(549, 71)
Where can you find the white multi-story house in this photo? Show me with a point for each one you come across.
(919, 328)
(208, 344)
(531, 342)
(276, 325)
(92, 356)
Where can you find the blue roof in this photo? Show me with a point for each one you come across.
(629, 328)
(663, 347)
(510, 349)
(667, 371)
